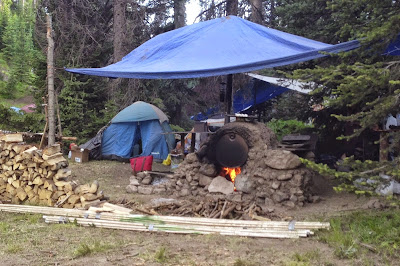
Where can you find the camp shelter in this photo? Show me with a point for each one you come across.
(215, 47)
(258, 90)
(140, 124)
(262, 89)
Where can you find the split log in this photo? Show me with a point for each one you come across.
(51, 150)
(12, 138)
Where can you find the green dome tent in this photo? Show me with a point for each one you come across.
(138, 123)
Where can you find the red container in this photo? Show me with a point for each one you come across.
(144, 163)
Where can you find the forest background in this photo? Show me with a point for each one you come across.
(354, 91)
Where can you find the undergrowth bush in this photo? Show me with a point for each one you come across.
(375, 231)
(361, 177)
(285, 127)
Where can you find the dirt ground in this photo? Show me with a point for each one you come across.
(35, 243)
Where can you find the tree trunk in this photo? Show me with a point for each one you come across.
(231, 7)
(257, 11)
(50, 81)
(179, 22)
(179, 13)
(119, 29)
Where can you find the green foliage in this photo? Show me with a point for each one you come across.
(13, 121)
(357, 88)
(161, 255)
(285, 127)
(81, 113)
(18, 50)
(86, 249)
(4, 227)
(352, 233)
(305, 259)
(176, 128)
(360, 177)
(241, 262)
(13, 249)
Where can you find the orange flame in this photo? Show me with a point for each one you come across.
(231, 172)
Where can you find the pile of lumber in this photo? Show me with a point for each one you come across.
(40, 177)
(116, 217)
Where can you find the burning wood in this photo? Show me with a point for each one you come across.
(230, 173)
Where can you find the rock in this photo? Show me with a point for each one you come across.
(147, 180)
(284, 177)
(189, 178)
(260, 181)
(191, 158)
(309, 156)
(298, 179)
(131, 189)
(275, 185)
(140, 175)
(299, 193)
(184, 192)
(158, 190)
(279, 196)
(282, 160)
(220, 185)
(146, 190)
(293, 198)
(133, 181)
(262, 194)
(204, 180)
(245, 184)
(315, 199)
(194, 183)
(289, 204)
(179, 183)
(269, 202)
(208, 170)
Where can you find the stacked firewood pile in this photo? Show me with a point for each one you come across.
(40, 177)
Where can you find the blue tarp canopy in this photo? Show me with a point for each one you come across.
(220, 46)
(258, 92)
(393, 47)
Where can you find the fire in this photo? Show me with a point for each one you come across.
(231, 172)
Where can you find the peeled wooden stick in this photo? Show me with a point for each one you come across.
(169, 219)
(175, 229)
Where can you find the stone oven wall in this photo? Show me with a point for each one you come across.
(269, 177)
